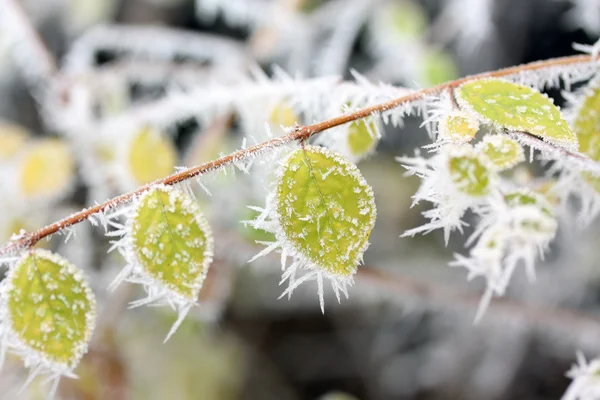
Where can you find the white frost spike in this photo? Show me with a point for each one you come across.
(170, 256)
(586, 380)
(437, 187)
(508, 233)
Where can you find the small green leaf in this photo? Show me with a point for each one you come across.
(458, 127)
(362, 137)
(283, 115)
(517, 108)
(12, 139)
(438, 67)
(525, 197)
(51, 307)
(150, 156)
(325, 208)
(172, 240)
(46, 169)
(406, 19)
(587, 124)
(502, 151)
(469, 174)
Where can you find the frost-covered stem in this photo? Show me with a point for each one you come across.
(298, 134)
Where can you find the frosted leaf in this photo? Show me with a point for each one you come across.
(454, 180)
(458, 127)
(12, 138)
(502, 151)
(168, 246)
(172, 240)
(283, 115)
(326, 209)
(150, 156)
(48, 313)
(469, 174)
(46, 169)
(405, 19)
(516, 107)
(438, 67)
(322, 212)
(362, 137)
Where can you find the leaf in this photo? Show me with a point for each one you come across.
(469, 173)
(283, 115)
(587, 124)
(525, 197)
(51, 308)
(150, 156)
(47, 169)
(438, 67)
(325, 208)
(362, 137)
(172, 240)
(516, 108)
(502, 151)
(12, 139)
(458, 127)
(406, 19)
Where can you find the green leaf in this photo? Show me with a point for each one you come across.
(458, 127)
(406, 19)
(438, 67)
(325, 208)
(525, 197)
(502, 151)
(517, 108)
(587, 124)
(150, 156)
(12, 139)
(362, 137)
(172, 240)
(470, 174)
(47, 169)
(51, 307)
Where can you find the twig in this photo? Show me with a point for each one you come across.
(299, 134)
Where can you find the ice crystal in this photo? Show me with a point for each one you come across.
(321, 211)
(168, 246)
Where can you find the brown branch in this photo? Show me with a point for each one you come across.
(299, 134)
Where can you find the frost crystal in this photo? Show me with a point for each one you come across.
(321, 211)
(456, 179)
(47, 315)
(586, 380)
(168, 246)
(516, 226)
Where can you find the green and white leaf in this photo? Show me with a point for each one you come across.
(458, 127)
(47, 314)
(46, 169)
(469, 173)
(168, 245)
(519, 108)
(322, 212)
(502, 151)
(147, 156)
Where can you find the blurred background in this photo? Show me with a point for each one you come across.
(105, 95)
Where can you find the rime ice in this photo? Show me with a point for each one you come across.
(168, 246)
(322, 212)
(47, 314)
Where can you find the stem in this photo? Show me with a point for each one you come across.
(299, 134)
